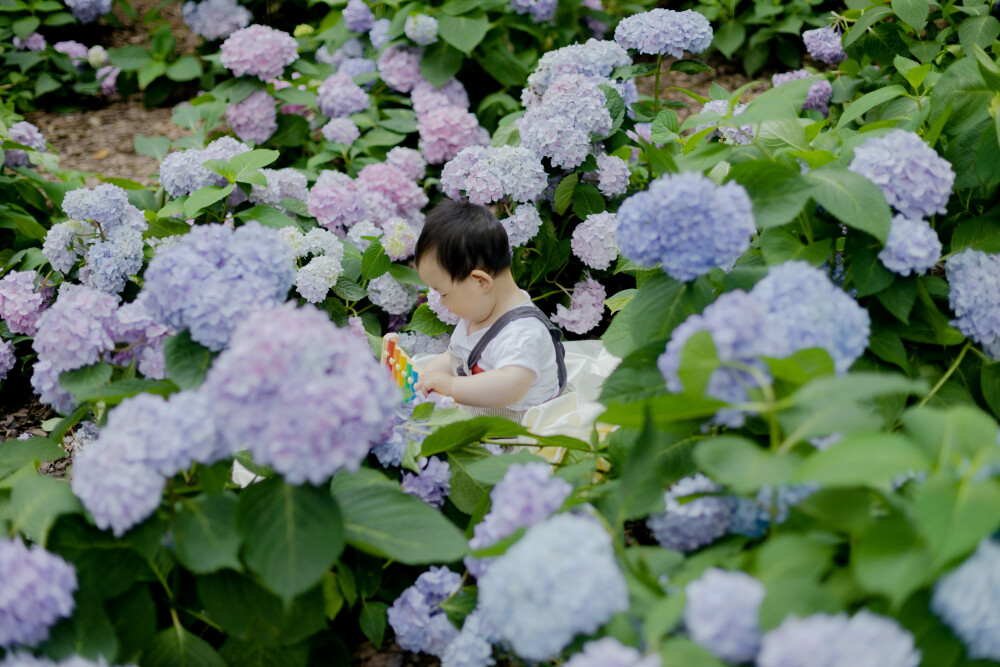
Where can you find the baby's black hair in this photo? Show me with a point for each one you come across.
(464, 237)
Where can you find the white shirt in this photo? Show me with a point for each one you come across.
(524, 342)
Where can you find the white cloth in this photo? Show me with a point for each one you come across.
(523, 342)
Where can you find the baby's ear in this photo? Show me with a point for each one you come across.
(482, 278)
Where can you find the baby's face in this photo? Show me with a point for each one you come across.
(468, 298)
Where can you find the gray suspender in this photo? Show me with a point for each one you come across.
(516, 314)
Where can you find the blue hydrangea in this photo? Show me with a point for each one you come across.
(471, 648)
(432, 485)
(28, 660)
(338, 96)
(315, 280)
(358, 17)
(973, 277)
(215, 19)
(26, 134)
(967, 599)
(822, 640)
(687, 223)
(818, 97)
(561, 125)
(379, 34)
(595, 240)
(915, 180)
(693, 524)
(335, 201)
(741, 135)
(109, 263)
(304, 396)
(183, 172)
(609, 652)
(341, 130)
(664, 31)
(559, 580)
(421, 29)
(143, 339)
(824, 45)
(416, 615)
(352, 48)
(489, 174)
(7, 358)
(527, 494)
(752, 517)
(392, 296)
(37, 590)
(722, 614)
(258, 50)
(594, 59)
(87, 11)
(104, 205)
(65, 243)
(912, 246)
(540, 10)
(214, 277)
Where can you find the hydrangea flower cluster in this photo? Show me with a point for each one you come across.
(735, 135)
(421, 29)
(33, 42)
(38, 589)
(215, 277)
(87, 11)
(75, 51)
(439, 309)
(339, 96)
(752, 517)
(432, 484)
(688, 526)
(972, 276)
(143, 337)
(400, 238)
(358, 17)
(425, 97)
(560, 126)
(352, 48)
(594, 59)
(26, 134)
(391, 296)
(379, 34)
(664, 31)
(419, 343)
(335, 202)
(108, 76)
(215, 19)
(341, 131)
(915, 180)
(315, 280)
(596, 27)
(559, 580)
(612, 175)
(282, 184)
(7, 358)
(358, 232)
(28, 660)
(389, 193)
(818, 97)
(687, 223)
(182, 173)
(304, 396)
(822, 640)
(541, 10)
(968, 600)
(253, 119)
(595, 241)
(722, 614)
(399, 67)
(98, 56)
(824, 44)
(408, 161)
(21, 302)
(522, 225)
(416, 616)
(471, 648)
(489, 174)
(526, 495)
(446, 130)
(353, 67)
(586, 307)
(609, 652)
(912, 246)
(259, 51)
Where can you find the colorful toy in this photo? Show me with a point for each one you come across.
(395, 358)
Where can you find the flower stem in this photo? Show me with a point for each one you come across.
(944, 378)
(656, 91)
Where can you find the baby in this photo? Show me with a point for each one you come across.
(505, 355)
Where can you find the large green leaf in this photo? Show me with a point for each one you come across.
(954, 515)
(962, 92)
(960, 432)
(441, 61)
(205, 534)
(980, 31)
(778, 192)
(386, 522)
(884, 456)
(463, 32)
(15, 454)
(177, 647)
(88, 633)
(741, 464)
(293, 534)
(87, 380)
(187, 362)
(867, 102)
(890, 559)
(205, 197)
(913, 12)
(36, 502)
(852, 199)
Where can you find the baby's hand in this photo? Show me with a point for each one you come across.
(435, 381)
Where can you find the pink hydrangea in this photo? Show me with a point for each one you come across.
(522, 225)
(586, 307)
(7, 358)
(253, 119)
(341, 131)
(408, 161)
(335, 201)
(613, 175)
(445, 131)
(392, 183)
(21, 302)
(259, 51)
(426, 97)
(595, 240)
(438, 308)
(339, 96)
(399, 67)
(108, 76)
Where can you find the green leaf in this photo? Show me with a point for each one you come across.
(249, 162)
(959, 432)
(989, 382)
(795, 596)
(149, 72)
(467, 492)
(386, 522)
(866, 103)
(406, 275)
(348, 290)
(382, 137)
(35, 504)
(205, 535)
(267, 216)
(852, 198)
(205, 197)
(778, 192)
(564, 192)
(425, 321)
(660, 305)
(885, 456)
(616, 108)
(691, 67)
(633, 71)
(293, 534)
(856, 387)
(184, 69)
(116, 392)
(24, 27)
(441, 61)
(742, 465)
(954, 515)
(665, 126)
(652, 459)
(187, 362)
(86, 380)
(899, 298)
(88, 634)
(913, 12)
(729, 36)
(373, 621)
(891, 559)
(867, 20)
(981, 31)
(682, 652)
(463, 32)
(587, 200)
(374, 261)
(176, 647)
(15, 454)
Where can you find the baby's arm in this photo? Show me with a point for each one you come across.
(439, 364)
(492, 389)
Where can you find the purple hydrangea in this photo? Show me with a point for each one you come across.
(304, 396)
(399, 67)
(594, 59)
(522, 225)
(822, 640)
(408, 161)
(967, 599)
(379, 34)
(741, 135)
(110, 262)
(688, 223)
(259, 51)
(915, 180)
(489, 174)
(341, 131)
(7, 358)
(612, 174)
(752, 517)
(33, 42)
(393, 190)
(973, 277)
(421, 29)
(559, 580)
(541, 10)
(472, 647)
(818, 97)
(37, 590)
(335, 202)
(353, 67)
(664, 31)
(609, 652)
(315, 280)
(352, 48)
(105, 204)
(118, 493)
(391, 296)
(560, 127)
(21, 302)
(439, 309)
(912, 246)
(824, 45)
(416, 616)
(339, 96)
(215, 19)
(26, 134)
(527, 494)
(690, 525)
(253, 119)
(108, 76)
(358, 17)
(596, 27)
(722, 613)
(595, 241)
(87, 11)
(215, 277)
(285, 183)
(445, 131)
(182, 173)
(426, 97)
(75, 51)
(432, 484)
(586, 307)
(143, 337)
